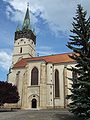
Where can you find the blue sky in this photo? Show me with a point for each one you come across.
(50, 19)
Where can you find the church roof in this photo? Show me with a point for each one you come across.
(58, 58)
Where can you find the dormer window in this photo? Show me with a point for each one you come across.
(21, 50)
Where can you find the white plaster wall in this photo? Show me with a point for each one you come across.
(34, 89)
(30, 66)
(33, 92)
(28, 49)
(59, 102)
(51, 101)
(50, 95)
(12, 79)
(69, 75)
(49, 73)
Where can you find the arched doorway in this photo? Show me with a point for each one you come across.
(34, 103)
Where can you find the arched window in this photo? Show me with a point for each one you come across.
(21, 50)
(57, 83)
(34, 76)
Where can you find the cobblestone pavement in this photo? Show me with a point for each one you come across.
(37, 115)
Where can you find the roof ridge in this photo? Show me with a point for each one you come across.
(47, 55)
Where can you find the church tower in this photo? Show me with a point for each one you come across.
(24, 41)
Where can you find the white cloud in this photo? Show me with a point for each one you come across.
(14, 15)
(45, 50)
(5, 60)
(58, 13)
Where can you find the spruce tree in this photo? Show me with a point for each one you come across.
(79, 43)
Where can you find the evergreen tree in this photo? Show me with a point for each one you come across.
(80, 44)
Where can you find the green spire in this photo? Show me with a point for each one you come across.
(26, 23)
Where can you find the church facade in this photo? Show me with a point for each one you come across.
(41, 81)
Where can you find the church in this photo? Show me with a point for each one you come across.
(41, 81)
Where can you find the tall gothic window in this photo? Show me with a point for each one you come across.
(34, 76)
(21, 50)
(57, 83)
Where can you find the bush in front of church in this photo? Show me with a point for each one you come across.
(8, 93)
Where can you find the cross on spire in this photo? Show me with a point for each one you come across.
(27, 4)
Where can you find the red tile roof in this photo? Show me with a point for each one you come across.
(58, 58)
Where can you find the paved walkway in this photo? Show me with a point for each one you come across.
(37, 115)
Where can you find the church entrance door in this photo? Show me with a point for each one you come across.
(34, 103)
